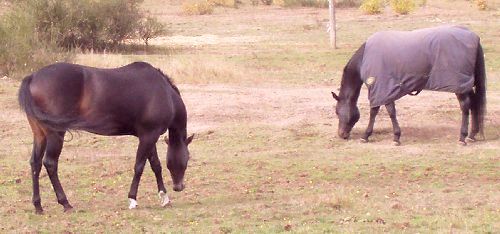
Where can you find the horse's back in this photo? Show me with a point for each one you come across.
(105, 101)
(396, 63)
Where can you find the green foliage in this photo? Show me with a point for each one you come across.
(38, 32)
(371, 7)
(347, 3)
(21, 50)
(223, 3)
(402, 6)
(304, 3)
(482, 5)
(150, 28)
(87, 24)
(199, 7)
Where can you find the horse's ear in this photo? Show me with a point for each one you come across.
(335, 96)
(166, 139)
(189, 139)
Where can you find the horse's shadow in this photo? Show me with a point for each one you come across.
(428, 134)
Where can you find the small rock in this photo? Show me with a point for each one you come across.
(380, 221)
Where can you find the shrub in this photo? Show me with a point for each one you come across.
(372, 7)
(200, 7)
(87, 24)
(21, 50)
(223, 3)
(402, 6)
(38, 32)
(304, 3)
(150, 28)
(481, 5)
(347, 3)
(267, 2)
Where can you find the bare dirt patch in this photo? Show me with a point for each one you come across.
(212, 106)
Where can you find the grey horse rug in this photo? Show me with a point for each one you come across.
(397, 63)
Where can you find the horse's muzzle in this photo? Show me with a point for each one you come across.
(179, 187)
(344, 135)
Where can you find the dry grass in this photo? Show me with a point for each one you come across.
(256, 83)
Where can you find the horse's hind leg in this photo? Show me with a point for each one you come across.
(369, 129)
(54, 146)
(474, 108)
(154, 161)
(465, 103)
(391, 109)
(39, 144)
(146, 144)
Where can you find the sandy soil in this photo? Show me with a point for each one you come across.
(211, 106)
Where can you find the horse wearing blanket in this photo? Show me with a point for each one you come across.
(393, 64)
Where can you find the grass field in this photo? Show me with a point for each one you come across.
(256, 82)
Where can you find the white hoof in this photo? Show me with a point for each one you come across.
(164, 200)
(132, 203)
(470, 139)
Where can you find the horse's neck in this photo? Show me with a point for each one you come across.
(351, 78)
(350, 85)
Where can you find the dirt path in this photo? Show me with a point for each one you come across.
(211, 106)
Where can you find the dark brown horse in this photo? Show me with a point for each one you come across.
(394, 64)
(136, 99)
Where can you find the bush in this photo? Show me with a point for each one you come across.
(150, 28)
(481, 5)
(38, 32)
(347, 3)
(223, 3)
(371, 7)
(21, 50)
(304, 3)
(86, 24)
(200, 7)
(402, 6)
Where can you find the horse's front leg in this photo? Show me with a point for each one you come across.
(391, 109)
(146, 144)
(369, 129)
(465, 103)
(154, 161)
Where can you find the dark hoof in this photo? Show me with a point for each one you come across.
(462, 143)
(39, 211)
(68, 209)
(396, 143)
(362, 140)
(470, 139)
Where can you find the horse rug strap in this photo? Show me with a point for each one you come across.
(397, 63)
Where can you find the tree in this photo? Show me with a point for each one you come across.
(150, 28)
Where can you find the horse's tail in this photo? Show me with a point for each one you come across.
(479, 101)
(27, 104)
(24, 97)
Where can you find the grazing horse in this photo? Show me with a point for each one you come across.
(136, 99)
(393, 64)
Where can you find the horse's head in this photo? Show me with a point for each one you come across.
(177, 159)
(348, 114)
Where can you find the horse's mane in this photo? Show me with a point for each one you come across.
(169, 80)
(351, 74)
